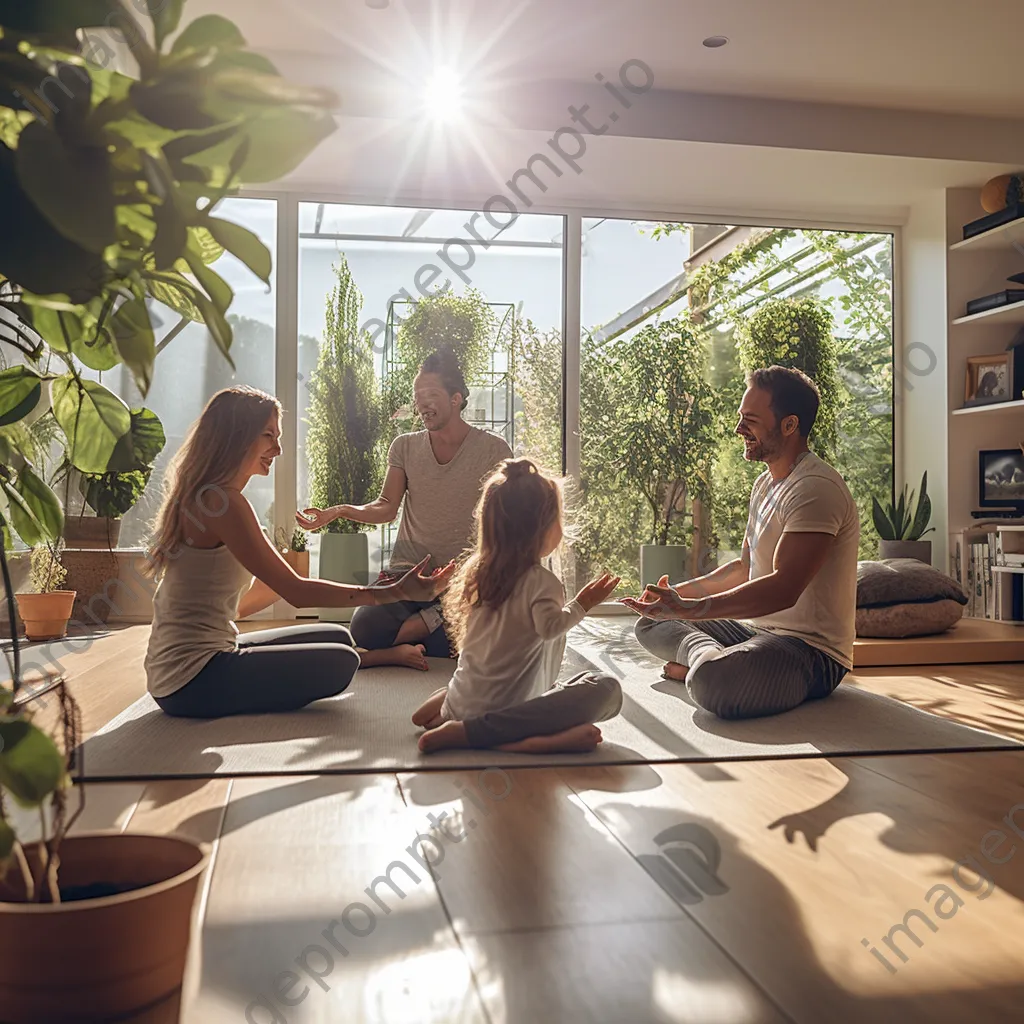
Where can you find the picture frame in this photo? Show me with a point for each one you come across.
(988, 380)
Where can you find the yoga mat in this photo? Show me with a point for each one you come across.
(368, 728)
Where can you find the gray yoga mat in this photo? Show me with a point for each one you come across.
(368, 728)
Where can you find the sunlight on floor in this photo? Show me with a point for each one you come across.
(720, 1002)
(395, 992)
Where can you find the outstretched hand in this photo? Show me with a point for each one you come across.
(314, 518)
(660, 602)
(415, 586)
(598, 591)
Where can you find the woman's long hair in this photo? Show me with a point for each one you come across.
(518, 506)
(211, 456)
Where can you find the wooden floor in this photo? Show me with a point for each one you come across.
(551, 897)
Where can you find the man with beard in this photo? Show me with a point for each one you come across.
(774, 627)
(439, 472)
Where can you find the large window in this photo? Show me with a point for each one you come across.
(191, 369)
(503, 286)
(672, 316)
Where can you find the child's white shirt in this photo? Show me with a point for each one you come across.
(513, 653)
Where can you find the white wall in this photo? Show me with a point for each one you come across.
(921, 375)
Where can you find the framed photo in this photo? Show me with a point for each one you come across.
(988, 379)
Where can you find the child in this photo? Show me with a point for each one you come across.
(507, 615)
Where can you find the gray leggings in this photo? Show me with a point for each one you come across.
(279, 669)
(750, 672)
(582, 700)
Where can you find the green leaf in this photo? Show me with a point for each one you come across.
(31, 766)
(174, 101)
(20, 390)
(883, 526)
(33, 254)
(54, 17)
(70, 185)
(191, 143)
(921, 516)
(133, 336)
(246, 86)
(41, 502)
(23, 520)
(166, 15)
(244, 245)
(174, 297)
(216, 324)
(280, 139)
(148, 437)
(209, 32)
(204, 245)
(171, 235)
(92, 418)
(213, 284)
(7, 841)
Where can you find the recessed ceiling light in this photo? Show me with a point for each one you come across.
(377, 5)
(714, 42)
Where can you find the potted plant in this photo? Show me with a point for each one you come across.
(294, 550)
(344, 441)
(662, 436)
(46, 608)
(901, 525)
(109, 186)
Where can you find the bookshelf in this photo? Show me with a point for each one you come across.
(974, 267)
(987, 560)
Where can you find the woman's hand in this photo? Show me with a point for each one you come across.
(597, 591)
(414, 586)
(315, 518)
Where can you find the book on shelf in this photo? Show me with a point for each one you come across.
(975, 557)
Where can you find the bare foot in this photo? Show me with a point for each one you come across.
(404, 655)
(673, 670)
(579, 739)
(449, 735)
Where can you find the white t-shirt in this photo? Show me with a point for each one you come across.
(512, 653)
(814, 498)
(437, 516)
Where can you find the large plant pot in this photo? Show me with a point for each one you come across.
(919, 549)
(91, 532)
(45, 615)
(99, 959)
(299, 561)
(344, 558)
(657, 560)
(92, 573)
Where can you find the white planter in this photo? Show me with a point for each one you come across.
(344, 558)
(657, 560)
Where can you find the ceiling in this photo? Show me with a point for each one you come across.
(946, 56)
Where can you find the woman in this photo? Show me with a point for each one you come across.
(207, 550)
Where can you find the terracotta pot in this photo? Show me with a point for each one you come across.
(97, 959)
(299, 561)
(91, 532)
(46, 615)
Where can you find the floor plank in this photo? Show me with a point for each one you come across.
(816, 856)
(294, 856)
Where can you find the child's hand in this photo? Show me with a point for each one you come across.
(598, 590)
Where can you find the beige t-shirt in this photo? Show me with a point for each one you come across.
(814, 498)
(437, 516)
(194, 612)
(514, 652)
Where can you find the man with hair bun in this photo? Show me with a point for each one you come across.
(439, 473)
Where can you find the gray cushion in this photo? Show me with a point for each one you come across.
(895, 581)
(911, 619)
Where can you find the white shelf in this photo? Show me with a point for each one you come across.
(1010, 314)
(1001, 237)
(994, 407)
(1009, 568)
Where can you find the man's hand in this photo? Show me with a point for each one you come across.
(597, 591)
(660, 602)
(414, 586)
(315, 518)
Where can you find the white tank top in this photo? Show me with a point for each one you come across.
(194, 613)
